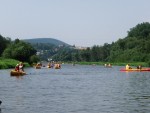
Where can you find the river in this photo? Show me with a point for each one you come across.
(75, 89)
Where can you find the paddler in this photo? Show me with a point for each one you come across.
(128, 67)
(17, 67)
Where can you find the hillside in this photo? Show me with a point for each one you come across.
(47, 47)
(135, 47)
(46, 41)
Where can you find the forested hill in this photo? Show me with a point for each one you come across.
(47, 47)
(46, 41)
(135, 47)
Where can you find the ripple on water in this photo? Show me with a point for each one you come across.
(75, 89)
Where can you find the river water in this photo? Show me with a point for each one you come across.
(75, 89)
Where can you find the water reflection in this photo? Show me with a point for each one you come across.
(17, 77)
(139, 92)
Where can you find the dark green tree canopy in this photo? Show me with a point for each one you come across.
(140, 31)
(19, 50)
(135, 47)
(4, 42)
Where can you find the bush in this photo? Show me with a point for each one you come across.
(9, 63)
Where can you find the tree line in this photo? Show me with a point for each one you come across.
(17, 49)
(135, 47)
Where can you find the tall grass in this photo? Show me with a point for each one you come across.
(9, 63)
(114, 63)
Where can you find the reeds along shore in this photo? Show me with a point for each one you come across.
(10, 63)
(144, 64)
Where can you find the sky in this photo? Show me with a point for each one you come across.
(77, 22)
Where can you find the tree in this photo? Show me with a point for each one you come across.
(34, 59)
(140, 31)
(4, 42)
(19, 50)
(135, 47)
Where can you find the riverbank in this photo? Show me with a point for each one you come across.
(144, 64)
(10, 63)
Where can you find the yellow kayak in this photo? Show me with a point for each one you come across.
(37, 67)
(17, 73)
(134, 69)
(48, 66)
(57, 67)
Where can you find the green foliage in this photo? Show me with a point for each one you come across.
(134, 64)
(140, 31)
(4, 42)
(93, 54)
(19, 50)
(47, 47)
(34, 59)
(9, 63)
(64, 54)
(48, 41)
(133, 48)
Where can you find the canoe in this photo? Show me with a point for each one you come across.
(134, 69)
(17, 73)
(48, 66)
(37, 67)
(57, 67)
(108, 66)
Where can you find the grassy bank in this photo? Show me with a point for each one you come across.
(9, 63)
(114, 63)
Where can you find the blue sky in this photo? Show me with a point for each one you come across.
(79, 22)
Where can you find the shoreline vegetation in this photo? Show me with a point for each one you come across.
(10, 63)
(132, 49)
(144, 64)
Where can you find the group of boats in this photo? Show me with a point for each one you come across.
(37, 66)
(129, 69)
(50, 65)
(57, 66)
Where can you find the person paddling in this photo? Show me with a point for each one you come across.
(21, 67)
(17, 67)
(139, 67)
(128, 67)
